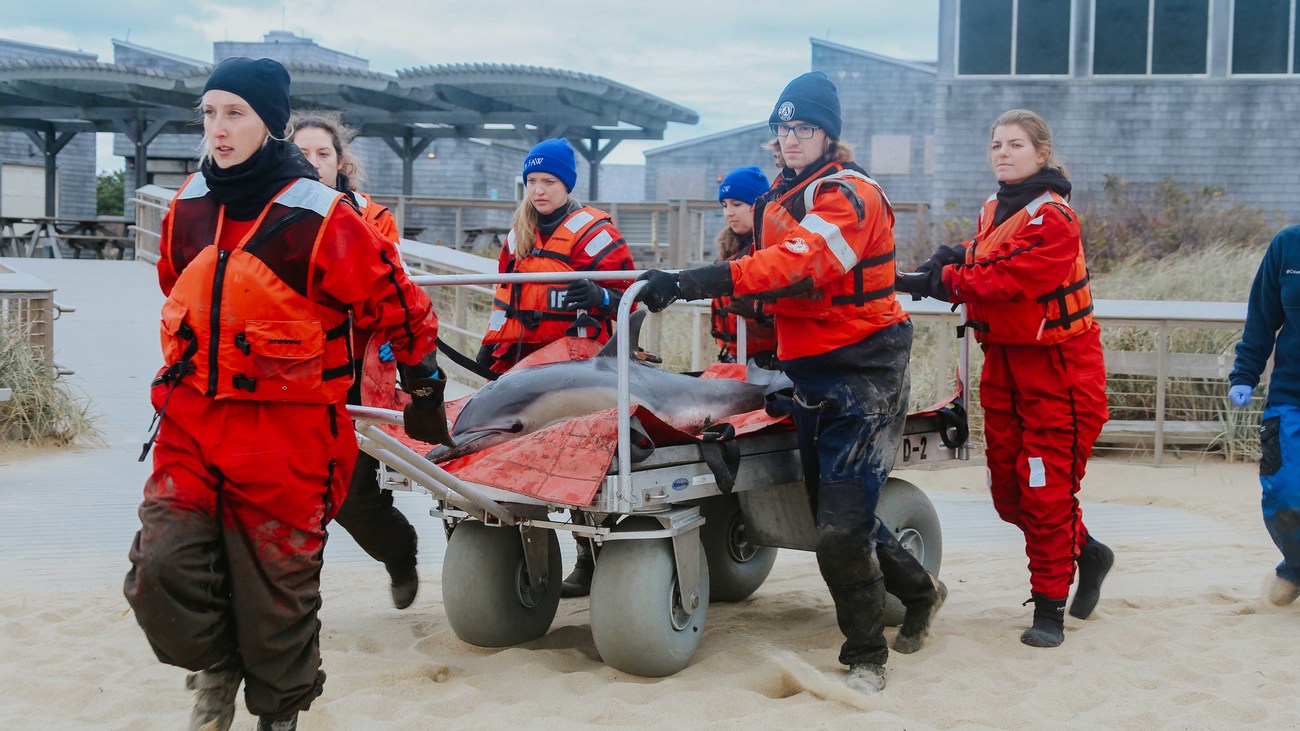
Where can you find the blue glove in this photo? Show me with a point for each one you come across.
(1239, 395)
(386, 353)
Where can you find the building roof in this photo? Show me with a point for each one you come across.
(72, 94)
(747, 129)
(928, 67)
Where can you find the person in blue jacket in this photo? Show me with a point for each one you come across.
(1273, 328)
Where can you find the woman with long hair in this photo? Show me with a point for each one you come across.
(1024, 282)
(368, 513)
(736, 195)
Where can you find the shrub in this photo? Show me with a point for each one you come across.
(42, 411)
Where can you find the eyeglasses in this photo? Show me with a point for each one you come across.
(801, 131)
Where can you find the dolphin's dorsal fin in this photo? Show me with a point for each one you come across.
(634, 330)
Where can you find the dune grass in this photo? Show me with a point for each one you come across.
(43, 410)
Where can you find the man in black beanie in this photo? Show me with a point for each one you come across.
(825, 262)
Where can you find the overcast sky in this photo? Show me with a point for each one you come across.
(726, 59)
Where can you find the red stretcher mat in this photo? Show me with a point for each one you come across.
(565, 463)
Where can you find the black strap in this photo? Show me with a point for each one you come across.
(466, 362)
(721, 454)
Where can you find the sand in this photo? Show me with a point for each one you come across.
(1181, 638)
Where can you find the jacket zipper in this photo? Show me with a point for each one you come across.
(214, 339)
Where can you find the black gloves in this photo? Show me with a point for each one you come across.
(923, 284)
(663, 290)
(707, 282)
(585, 294)
(943, 256)
(425, 418)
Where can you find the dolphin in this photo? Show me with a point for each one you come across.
(527, 400)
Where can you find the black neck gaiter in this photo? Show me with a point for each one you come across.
(246, 188)
(1014, 196)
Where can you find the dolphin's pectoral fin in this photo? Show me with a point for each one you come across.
(610, 349)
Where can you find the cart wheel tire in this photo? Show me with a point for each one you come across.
(912, 518)
(485, 587)
(637, 618)
(736, 567)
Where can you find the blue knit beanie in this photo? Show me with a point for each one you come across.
(743, 184)
(263, 83)
(812, 98)
(552, 156)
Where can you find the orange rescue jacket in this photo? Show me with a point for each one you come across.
(1046, 319)
(534, 313)
(239, 324)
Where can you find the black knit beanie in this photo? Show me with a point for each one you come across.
(263, 83)
(811, 98)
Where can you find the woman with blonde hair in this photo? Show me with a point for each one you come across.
(553, 232)
(1024, 282)
(264, 269)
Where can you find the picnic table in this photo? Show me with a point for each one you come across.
(106, 237)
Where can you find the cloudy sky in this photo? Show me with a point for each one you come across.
(726, 59)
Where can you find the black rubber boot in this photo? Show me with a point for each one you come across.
(917, 620)
(578, 582)
(1049, 623)
(1094, 563)
(287, 723)
(405, 585)
(214, 695)
(866, 677)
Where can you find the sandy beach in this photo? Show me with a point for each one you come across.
(1181, 639)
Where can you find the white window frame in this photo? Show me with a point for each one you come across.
(1290, 46)
(1151, 36)
(1015, 25)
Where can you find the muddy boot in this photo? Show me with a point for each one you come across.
(405, 585)
(286, 723)
(866, 678)
(1282, 592)
(1049, 623)
(214, 695)
(1094, 563)
(917, 620)
(578, 582)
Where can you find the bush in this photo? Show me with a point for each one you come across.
(1151, 222)
(42, 411)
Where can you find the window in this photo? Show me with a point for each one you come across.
(1000, 37)
(1152, 37)
(1263, 36)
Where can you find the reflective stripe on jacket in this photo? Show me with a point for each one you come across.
(242, 319)
(826, 256)
(534, 313)
(1025, 281)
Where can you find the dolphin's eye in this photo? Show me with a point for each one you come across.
(516, 427)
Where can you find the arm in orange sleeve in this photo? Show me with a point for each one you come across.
(830, 240)
(1032, 263)
(356, 268)
(386, 224)
(167, 275)
(603, 249)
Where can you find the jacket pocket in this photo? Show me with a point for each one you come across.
(171, 327)
(1270, 446)
(285, 359)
